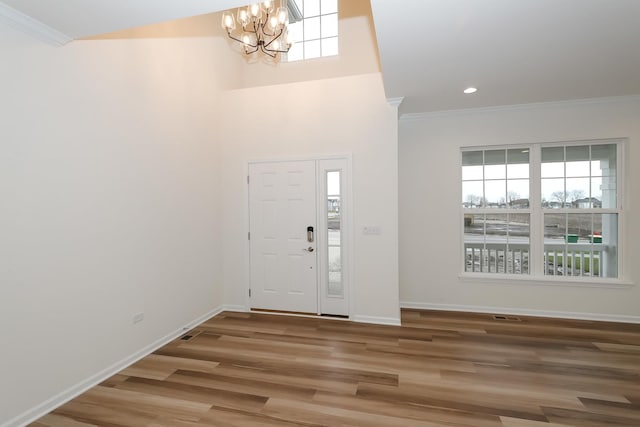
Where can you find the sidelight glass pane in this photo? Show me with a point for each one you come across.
(333, 183)
(335, 287)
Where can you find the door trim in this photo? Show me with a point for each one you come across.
(348, 224)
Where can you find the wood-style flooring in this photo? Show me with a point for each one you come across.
(438, 369)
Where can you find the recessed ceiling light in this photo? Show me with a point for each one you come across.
(470, 90)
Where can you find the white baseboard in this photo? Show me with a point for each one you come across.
(232, 307)
(391, 321)
(74, 391)
(522, 312)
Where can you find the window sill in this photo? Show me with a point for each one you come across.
(518, 279)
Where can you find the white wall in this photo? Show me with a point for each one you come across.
(430, 220)
(315, 118)
(109, 193)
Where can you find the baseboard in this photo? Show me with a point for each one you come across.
(74, 391)
(391, 321)
(231, 307)
(523, 312)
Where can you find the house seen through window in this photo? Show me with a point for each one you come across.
(542, 210)
(316, 34)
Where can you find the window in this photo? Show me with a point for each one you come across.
(495, 188)
(316, 35)
(570, 226)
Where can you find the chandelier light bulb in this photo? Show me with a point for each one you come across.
(254, 10)
(243, 16)
(227, 22)
(268, 5)
(283, 15)
(273, 22)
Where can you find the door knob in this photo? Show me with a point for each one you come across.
(309, 249)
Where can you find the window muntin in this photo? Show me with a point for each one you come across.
(577, 210)
(495, 178)
(316, 35)
(574, 176)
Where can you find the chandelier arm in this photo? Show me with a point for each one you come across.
(275, 50)
(266, 51)
(232, 37)
(264, 24)
(248, 52)
(273, 39)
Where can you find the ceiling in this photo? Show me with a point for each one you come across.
(514, 52)
(83, 18)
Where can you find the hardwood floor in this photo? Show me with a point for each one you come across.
(438, 369)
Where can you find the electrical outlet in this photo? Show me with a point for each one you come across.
(137, 318)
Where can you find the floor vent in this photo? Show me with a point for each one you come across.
(190, 334)
(507, 318)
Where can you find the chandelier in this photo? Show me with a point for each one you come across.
(264, 28)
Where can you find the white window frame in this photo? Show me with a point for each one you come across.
(319, 39)
(536, 274)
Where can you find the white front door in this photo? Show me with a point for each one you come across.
(282, 208)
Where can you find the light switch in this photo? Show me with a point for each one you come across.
(371, 230)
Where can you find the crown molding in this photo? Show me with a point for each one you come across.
(518, 107)
(395, 102)
(33, 27)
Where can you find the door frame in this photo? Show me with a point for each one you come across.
(348, 236)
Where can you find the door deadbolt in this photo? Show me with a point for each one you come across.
(309, 249)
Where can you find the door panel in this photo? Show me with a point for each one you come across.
(282, 204)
